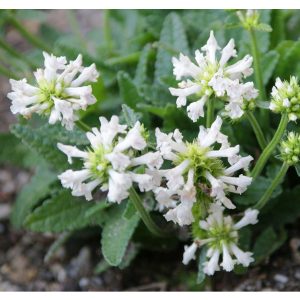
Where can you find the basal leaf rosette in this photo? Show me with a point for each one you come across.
(207, 165)
(212, 78)
(59, 92)
(111, 161)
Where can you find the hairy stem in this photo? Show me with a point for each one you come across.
(210, 112)
(33, 39)
(271, 147)
(267, 195)
(144, 214)
(257, 130)
(9, 49)
(83, 126)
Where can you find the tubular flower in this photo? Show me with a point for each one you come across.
(220, 234)
(60, 90)
(211, 77)
(198, 166)
(110, 160)
(286, 98)
(290, 149)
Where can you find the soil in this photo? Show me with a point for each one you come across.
(22, 265)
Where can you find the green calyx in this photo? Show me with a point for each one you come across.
(50, 90)
(99, 164)
(286, 99)
(221, 235)
(290, 149)
(204, 79)
(199, 161)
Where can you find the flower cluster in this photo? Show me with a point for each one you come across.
(111, 161)
(290, 149)
(59, 92)
(220, 235)
(199, 164)
(286, 98)
(211, 77)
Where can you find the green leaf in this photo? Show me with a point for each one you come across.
(288, 64)
(60, 213)
(256, 190)
(172, 37)
(202, 258)
(141, 73)
(130, 210)
(12, 151)
(269, 62)
(130, 254)
(116, 234)
(45, 138)
(128, 90)
(286, 209)
(268, 242)
(131, 117)
(297, 168)
(31, 194)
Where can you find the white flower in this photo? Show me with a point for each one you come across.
(286, 98)
(220, 235)
(58, 93)
(213, 77)
(198, 165)
(189, 253)
(110, 161)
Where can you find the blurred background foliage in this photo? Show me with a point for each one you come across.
(132, 49)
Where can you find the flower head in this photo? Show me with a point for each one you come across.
(220, 234)
(286, 98)
(199, 166)
(290, 149)
(213, 77)
(110, 161)
(60, 90)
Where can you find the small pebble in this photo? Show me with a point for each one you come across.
(281, 278)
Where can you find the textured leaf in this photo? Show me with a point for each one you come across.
(31, 194)
(256, 190)
(268, 242)
(116, 234)
(202, 258)
(141, 73)
(60, 213)
(173, 38)
(131, 117)
(128, 90)
(44, 140)
(12, 151)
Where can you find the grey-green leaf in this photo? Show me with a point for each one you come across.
(60, 213)
(116, 235)
(31, 194)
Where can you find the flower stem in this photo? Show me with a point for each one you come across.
(257, 130)
(9, 49)
(83, 126)
(257, 66)
(144, 214)
(210, 112)
(258, 76)
(34, 40)
(271, 146)
(267, 195)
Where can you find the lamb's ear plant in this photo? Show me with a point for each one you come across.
(113, 148)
